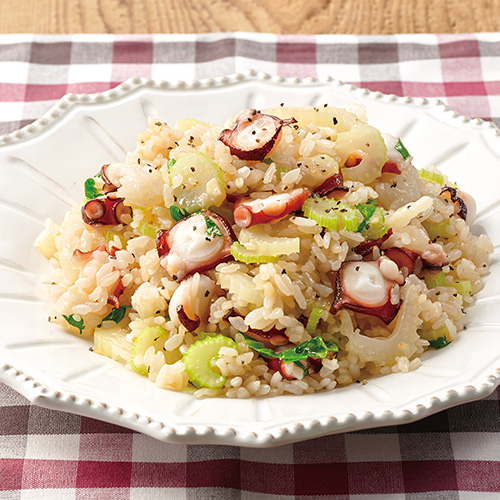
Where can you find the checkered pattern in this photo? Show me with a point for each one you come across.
(46, 454)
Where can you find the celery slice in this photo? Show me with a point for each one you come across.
(462, 287)
(198, 182)
(437, 281)
(113, 343)
(436, 229)
(198, 361)
(431, 176)
(150, 336)
(435, 334)
(243, 254)
(314, 318)
(255, 238)
(331, 214)
(147, 229)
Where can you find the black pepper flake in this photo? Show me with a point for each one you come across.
(207, 238)
(138, 161)
(174, 277)
(283, 271)
(158, 124)
(325, 105)
(343, 210)
(335, 121)
(157, 311)
(254, 132)
(207, 293)
(357, 268)
(282, 104)
(394, 184)
(192, 169)
(91, 349)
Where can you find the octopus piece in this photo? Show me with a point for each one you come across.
(403, 257)
(289, 371)
(434, 257)
(249, 211)
(190, 302)
(114, 298)
(108, 184)
(271, 338)
(106, 210)
(254, 134)
(81, 258)
(363, 287)
(332, 187)
(450, 195)
(391, 167)
(195, 244)
(367, 246)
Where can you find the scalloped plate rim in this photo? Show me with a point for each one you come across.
(37, 393)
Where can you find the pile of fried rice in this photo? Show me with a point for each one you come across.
(300, 245)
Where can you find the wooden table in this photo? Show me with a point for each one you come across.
(274, 16)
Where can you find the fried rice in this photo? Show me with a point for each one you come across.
(287, 278)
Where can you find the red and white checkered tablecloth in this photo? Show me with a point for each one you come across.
(45, 454)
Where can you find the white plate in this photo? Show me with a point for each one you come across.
(43, 168)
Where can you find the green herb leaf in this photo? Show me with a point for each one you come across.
(313, 348)
(91, 191)
(170, 164)
(367, 210)
(267, 161)
(178, 213)
(73, 322)
(116, 314)
(212, 228)
(439, 343)
(401, 150)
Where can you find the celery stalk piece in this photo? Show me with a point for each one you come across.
(331, 214)
(436, 229)
(431, 176)
(147, 229)
(113, 343)
(243, 254)
(150, 336)
(197, 182)
(434, 334)
(437, 280)
(198, 361)
(255, 238)
(462, 287)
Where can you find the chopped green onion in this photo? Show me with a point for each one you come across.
(439, 343)
(402, 150)
(367, 210)
(437, 281)
(431, 176)
(313, 348)
(170, 164)
(177, 213)
(462, 287)
(313, 320)
(91, 192)
(212, 228)
(74, 322)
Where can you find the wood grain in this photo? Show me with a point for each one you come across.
(273, 16)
